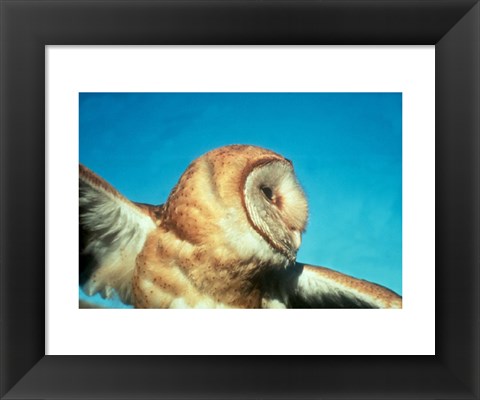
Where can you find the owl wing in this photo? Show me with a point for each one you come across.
(113, 230)
(306, 286)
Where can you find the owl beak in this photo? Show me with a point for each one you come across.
(297, 239)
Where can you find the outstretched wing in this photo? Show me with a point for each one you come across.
(305, 286)
(113, 230)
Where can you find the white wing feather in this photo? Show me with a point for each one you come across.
(305, 286)
(113, 231)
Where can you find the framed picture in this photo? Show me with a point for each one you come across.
(345, 134)
(29, 371)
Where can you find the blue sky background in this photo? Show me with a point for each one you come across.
(346, 149)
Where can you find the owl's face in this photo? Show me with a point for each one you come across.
(275, 204)
(243, 198)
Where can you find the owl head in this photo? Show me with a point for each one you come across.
(240, 197)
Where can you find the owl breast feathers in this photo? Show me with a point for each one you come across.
(227, 237)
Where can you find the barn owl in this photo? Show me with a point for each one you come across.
(226, 237)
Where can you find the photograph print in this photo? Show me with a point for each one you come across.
(240, 200)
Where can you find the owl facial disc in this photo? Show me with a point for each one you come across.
(276, 205)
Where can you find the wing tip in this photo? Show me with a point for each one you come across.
(379, 295)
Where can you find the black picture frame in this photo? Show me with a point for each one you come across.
(453, 26)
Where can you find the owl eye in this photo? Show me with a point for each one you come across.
(267, 192)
